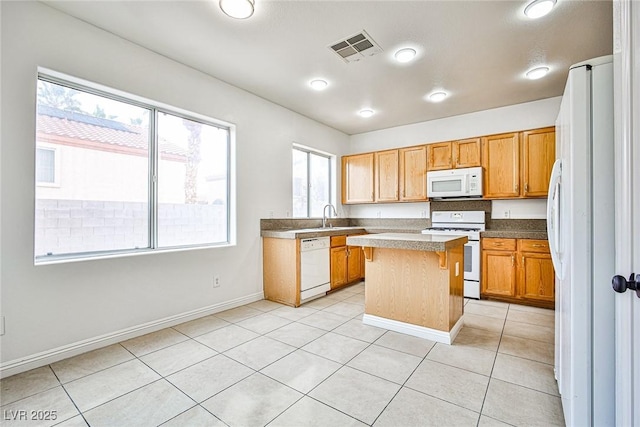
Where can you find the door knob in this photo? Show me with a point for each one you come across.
(620, 284)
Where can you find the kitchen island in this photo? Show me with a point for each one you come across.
(414, 283)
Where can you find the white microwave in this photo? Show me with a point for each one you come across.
(452, 183)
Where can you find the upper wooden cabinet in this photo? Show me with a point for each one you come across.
(386, 176)
(413, 174)
(466, 153)
(357, 178)
(538, 156)
(501, 163)
(440, 156)
(518, 164)
(395, 175)
(455, 154)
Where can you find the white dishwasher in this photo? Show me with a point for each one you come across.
(314, 267)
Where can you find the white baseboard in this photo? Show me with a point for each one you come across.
(415, 330)
(37, 360)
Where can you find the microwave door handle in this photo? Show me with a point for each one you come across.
(465, 184)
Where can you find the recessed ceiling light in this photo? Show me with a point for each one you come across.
(318, 84)
(239, 9)
(539, 8)
(366, 113)
(537, 73)
(437, 96)
(405, 55)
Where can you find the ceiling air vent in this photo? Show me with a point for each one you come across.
(356, 47)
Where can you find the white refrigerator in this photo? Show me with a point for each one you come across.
(580, 225)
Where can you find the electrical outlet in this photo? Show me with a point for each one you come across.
(2, 325)
(423, 214)
(507, 214)
(288, 214)
(379, 214)
(216, 281)
(270, 214)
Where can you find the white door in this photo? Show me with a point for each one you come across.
(627, 205)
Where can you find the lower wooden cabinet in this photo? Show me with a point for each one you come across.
(346, 263)
(518, 270)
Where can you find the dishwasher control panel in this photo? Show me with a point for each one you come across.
(315, 243)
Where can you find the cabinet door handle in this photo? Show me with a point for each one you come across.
(517, 188)
(523, 260)
(538, 245)
(498, 243)
(513, 260)
(526, 188)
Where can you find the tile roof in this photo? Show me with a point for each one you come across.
(80, 126)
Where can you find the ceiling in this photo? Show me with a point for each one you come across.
(477, 51)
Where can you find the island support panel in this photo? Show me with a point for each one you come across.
(411, 292)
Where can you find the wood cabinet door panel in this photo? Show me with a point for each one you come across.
(338, 241)
(354, 263)
(537, 278)
(357, 178)
(413, 173)
(466, 153)
(501, 162)
(532, 245)
(498, 273)
(386, 176)
(499, 244)
(439, 156)
(338, 267)
(538, 156)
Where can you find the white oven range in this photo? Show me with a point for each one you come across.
(463, 223)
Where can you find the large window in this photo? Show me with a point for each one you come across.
(311, 182)
(118, 175)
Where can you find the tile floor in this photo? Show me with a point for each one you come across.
(317, 365)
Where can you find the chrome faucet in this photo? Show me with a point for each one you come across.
(324, 214)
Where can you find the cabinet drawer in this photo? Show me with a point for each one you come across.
(338, 241)
(499, 244)
(530, 245)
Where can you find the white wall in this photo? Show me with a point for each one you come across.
(52, 306)
(529, 115)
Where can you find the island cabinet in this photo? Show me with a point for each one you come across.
(518, 271)
(358, 178)
(414, 283)
(346, 263)
(454, 154)
(518, 164)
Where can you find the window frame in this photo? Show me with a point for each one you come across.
(155, 108)
(331, 175)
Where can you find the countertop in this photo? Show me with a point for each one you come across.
(411, 241)
(306, 233)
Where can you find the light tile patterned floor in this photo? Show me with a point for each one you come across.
(318, 365)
